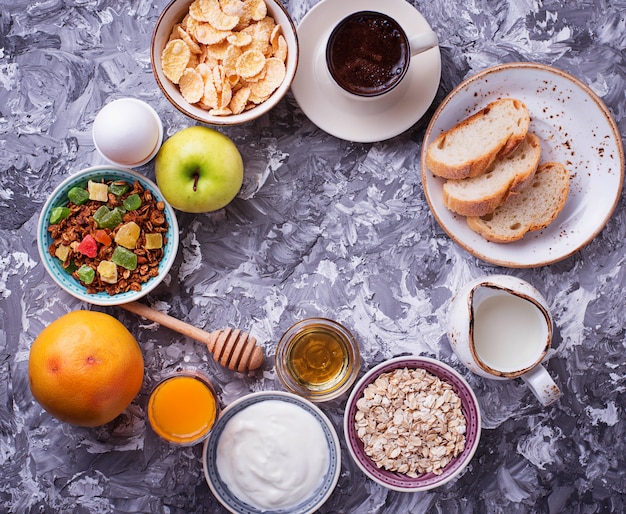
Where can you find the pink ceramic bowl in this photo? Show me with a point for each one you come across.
(399, 481)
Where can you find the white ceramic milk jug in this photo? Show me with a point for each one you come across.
(500, 328)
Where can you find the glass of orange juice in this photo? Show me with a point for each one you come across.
(183, 407)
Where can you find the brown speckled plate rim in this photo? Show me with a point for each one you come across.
(483, 77)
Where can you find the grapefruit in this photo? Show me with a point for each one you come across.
(85, 368)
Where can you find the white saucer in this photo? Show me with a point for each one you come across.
(362, 121)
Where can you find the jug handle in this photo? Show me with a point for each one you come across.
(542, 385)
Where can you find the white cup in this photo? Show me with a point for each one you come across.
(500, 328)
(368, 53)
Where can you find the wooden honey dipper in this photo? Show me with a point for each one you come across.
(233, 349)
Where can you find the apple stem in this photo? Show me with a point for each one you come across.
(196, 177)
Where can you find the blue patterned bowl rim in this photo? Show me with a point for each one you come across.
(234, 504)
(59, 198)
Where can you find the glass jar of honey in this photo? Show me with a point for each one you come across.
(183, 407)
(317, 358)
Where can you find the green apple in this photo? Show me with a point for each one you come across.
(199, 169)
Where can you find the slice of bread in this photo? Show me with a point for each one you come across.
(533, 208)
(469, 148)
(477, 196)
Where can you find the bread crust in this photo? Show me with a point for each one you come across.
(511, 175)
(495, 227)
(498, 147)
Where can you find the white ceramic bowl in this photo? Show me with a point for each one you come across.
(173, 14)
(400, 481)
(236, 505)
(59, 198)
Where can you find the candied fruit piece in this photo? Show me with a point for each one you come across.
(100, 213)
(62, 252)
(117, 217)
(132, 202)
(102, 237)
(153, 241)
(78, 195)
(88, 246)
(119, 188)
(108, 272)
(124, 258)
(107, 218)
(59, 213)
(86, 274)
(98, 191)
(69, 267)
(128, 234)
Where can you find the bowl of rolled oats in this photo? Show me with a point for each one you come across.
(412, 423)
(107, 236)
(224, 62)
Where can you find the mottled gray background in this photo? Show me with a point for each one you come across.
(322, 227)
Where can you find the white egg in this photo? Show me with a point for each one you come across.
(127, 132)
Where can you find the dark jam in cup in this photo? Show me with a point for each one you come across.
(368, 53)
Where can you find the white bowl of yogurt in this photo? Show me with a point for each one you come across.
(272, 452)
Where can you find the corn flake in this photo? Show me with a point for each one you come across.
(218, 77)
(229, 63)
(194, 60)
(191, 85)
(205, 33)
(250, 63)
(257, 9)
(211, 12)
(174, 59)
(226, 95)
(237, 8)
(238, 39)
(240, 100)
(218, 50)
(258, 76)
(209, 99)
(224, 111)
(233, 80)
(274, 76)
(280, 51)
(193, 46)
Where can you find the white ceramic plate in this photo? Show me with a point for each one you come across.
(575, 128)
(362, 121)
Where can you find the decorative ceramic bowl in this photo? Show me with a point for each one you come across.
(174, 14)
(423, 482)
(59, 198)
(235, 504)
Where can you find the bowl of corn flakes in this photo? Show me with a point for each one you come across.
(107, 236)
(224, 62)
